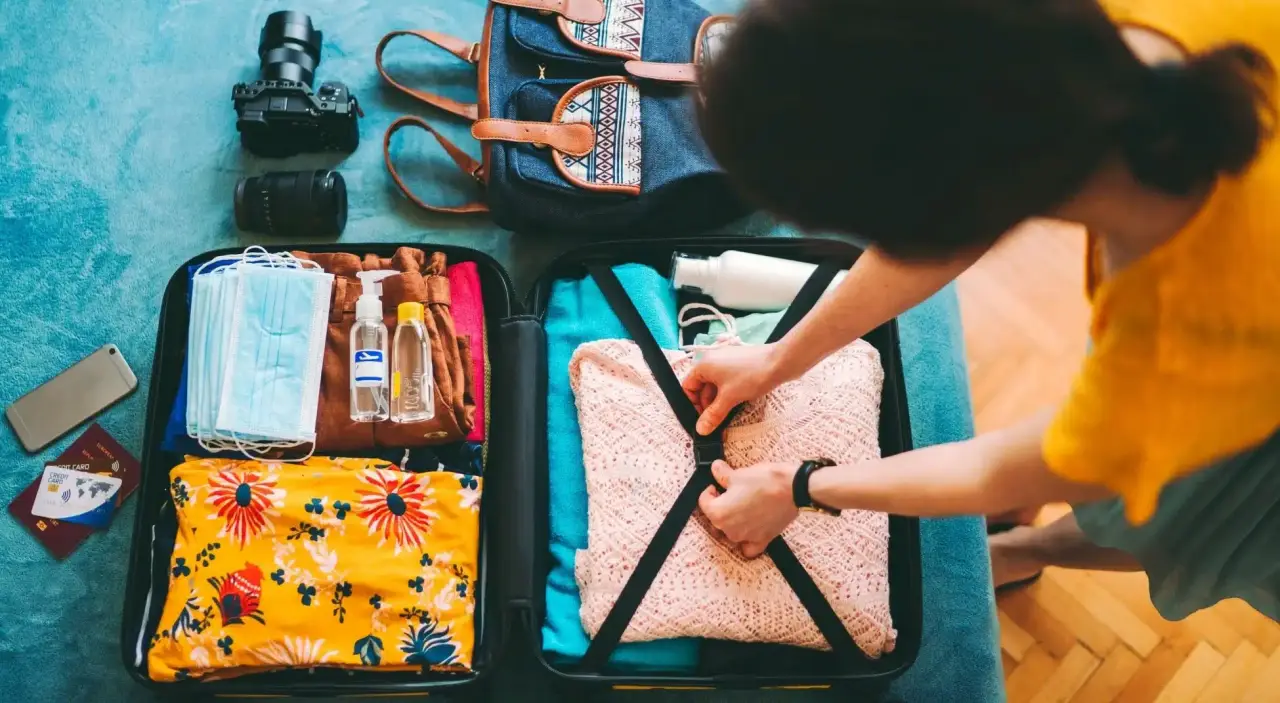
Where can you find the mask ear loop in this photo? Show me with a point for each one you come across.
(204, 269)
(245, 446)
(726, 338)
(251, 254)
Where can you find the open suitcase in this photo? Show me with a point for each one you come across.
(514, 557)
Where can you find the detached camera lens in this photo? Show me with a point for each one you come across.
(289, 47)
(292, 203)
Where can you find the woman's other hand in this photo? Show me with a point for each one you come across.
(728, 376)
(755, 506)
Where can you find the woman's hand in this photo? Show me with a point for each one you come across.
(755, 507)
(728, 376)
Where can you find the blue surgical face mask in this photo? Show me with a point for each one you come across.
(197, 339)
(224, 286)
(214, 287)
(256, 349)
(271, 387)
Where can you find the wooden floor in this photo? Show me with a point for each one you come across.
(1075, 635)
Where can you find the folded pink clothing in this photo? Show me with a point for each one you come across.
(638, 458)
(468, 320)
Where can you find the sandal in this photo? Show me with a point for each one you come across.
(995, 528)
(1020, 584)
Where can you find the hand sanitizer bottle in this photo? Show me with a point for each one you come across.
(368, 369)
(412, 385)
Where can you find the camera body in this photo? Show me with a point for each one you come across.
(279, 118)
(281, 115)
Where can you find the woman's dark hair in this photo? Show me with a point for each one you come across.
(933, 126)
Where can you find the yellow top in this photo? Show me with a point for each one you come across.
(1185, 367)
(345, 563)
(409, 311)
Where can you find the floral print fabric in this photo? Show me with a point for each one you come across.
(332, 562)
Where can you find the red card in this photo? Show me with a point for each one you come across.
(100, 449)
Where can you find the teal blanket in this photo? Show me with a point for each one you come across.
(118, 155)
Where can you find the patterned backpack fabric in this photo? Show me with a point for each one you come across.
(586, 117)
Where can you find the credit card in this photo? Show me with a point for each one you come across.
(97, 446)
(73, 494)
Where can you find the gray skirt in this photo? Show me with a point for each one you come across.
(1215, 535)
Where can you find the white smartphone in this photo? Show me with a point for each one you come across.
(71, 397)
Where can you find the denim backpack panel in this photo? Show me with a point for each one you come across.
(632, 30)
(586, 117)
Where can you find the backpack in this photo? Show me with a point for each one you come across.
(585, 116)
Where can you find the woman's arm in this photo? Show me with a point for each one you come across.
(876, 290)
(993, 473)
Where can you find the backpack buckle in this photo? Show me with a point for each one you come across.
(706, 451)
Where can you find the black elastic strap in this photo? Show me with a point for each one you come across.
(706, 450)
(808, 296)
(654, 358)
(664, 539)
(817, 605)
(829, 624)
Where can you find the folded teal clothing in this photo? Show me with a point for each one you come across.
(959, 653)
(577, 313)
(959, 656)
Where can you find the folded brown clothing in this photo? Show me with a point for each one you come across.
(423, 280)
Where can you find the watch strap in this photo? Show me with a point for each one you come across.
(800, 486)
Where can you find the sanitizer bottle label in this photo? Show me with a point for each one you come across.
(369, 367)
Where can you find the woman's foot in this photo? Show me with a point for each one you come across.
(1019, 555)
(1011, 563)
(1004, 522)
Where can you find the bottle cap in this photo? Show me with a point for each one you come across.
(409, 311)
(692, 273)
(369, 304)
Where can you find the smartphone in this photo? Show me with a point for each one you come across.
(71, 397)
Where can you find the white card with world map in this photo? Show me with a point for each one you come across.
(72, 495)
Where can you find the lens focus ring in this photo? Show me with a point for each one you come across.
(289, 47)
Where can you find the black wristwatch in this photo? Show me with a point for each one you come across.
(800, 487)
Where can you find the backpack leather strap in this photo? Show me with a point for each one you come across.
(573, 138)
(463, 160)
(667, 72)
(580, 11)
(467, 51)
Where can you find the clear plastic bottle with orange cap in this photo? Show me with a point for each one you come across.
(412, 385)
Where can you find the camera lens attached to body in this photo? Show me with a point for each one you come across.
(292, 203)
(289, 47)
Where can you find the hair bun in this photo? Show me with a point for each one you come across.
(1200, 119)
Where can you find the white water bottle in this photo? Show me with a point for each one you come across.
(742, 281)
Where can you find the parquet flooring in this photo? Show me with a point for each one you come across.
(1088, 637)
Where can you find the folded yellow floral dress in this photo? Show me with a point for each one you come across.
(331, 562)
